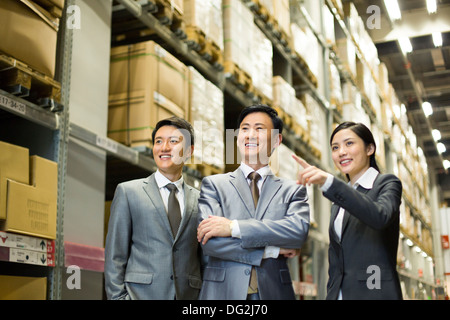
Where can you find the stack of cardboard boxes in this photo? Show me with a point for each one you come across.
(28, 192)
(147, 84)
(31, 35)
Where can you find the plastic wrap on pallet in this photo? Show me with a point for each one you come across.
(283, 94)
(306, 45)
(282, 15)
(318, 120)
(328, 22)
(262, 59)
(238, 25)
(207, 15)
(347, 54)
(207, 117)
(282, 164)
(335, 85)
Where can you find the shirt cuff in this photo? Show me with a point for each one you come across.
(327, 183)
(235, 230)
(271, 252)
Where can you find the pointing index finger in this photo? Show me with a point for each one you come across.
(300, 161)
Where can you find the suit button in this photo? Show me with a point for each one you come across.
(171, 277)
(247, 272)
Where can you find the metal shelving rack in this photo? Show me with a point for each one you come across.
(59, 123)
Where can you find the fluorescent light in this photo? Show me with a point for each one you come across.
(437, 39)
(431, 6)
(409, 242)
(436, 134)
(446, 164)
(441, 147)
(427, 108)
(417, 249)
(405, 45)
(393, 9)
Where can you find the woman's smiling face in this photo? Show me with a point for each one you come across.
(350, 154)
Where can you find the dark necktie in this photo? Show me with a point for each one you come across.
(173, 209)
(254, 177)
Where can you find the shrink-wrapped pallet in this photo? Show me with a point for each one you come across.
(207, 118)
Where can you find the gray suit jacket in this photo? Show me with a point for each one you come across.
(280, 219)
(142, 259)
(370, 232)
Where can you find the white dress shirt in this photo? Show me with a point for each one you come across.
(366, 181)
(162, 181)
(270, 251)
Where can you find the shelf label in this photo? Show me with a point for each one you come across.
(106, 144)
(13, 104)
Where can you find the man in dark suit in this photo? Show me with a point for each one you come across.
(151, 249)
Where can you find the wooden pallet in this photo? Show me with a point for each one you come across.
(53, 9)
(287, 118)
(195, 38)
(241, 78)
(259, 97)
(170, 16)
(20, 80)
(304, 66)
(198, 41)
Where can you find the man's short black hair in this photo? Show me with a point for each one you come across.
(176, 122)
(271, 112)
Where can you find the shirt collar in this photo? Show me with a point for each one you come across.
(367, 179)
(263, 172)
(162, 181)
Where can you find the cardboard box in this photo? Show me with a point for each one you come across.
(30, 35)
(14, 165)
(23, 288)
(207, 16)
(31, 209)
(158, 88)
(207, 118)
(238, 25)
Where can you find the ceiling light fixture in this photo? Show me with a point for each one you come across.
(431, 6)
(405, 45)
(436, 135)
(441, 147)
(393, 9)
(437, 39)
(446, 164)
(427, 109)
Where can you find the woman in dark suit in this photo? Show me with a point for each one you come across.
(364, 224)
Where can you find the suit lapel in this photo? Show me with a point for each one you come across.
(334, 212)
(151, 189)
(188, 208)
(347, 215)
(269, 188)
(239, 182)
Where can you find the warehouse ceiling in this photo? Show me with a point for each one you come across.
(429, 79)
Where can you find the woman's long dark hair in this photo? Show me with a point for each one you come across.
(364, 133)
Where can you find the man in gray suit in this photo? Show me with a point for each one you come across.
(149, 254)
(246, 236)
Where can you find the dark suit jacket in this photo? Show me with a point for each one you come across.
(370, 233)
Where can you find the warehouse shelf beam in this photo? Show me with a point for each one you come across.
(113, 148)
(29, 111)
